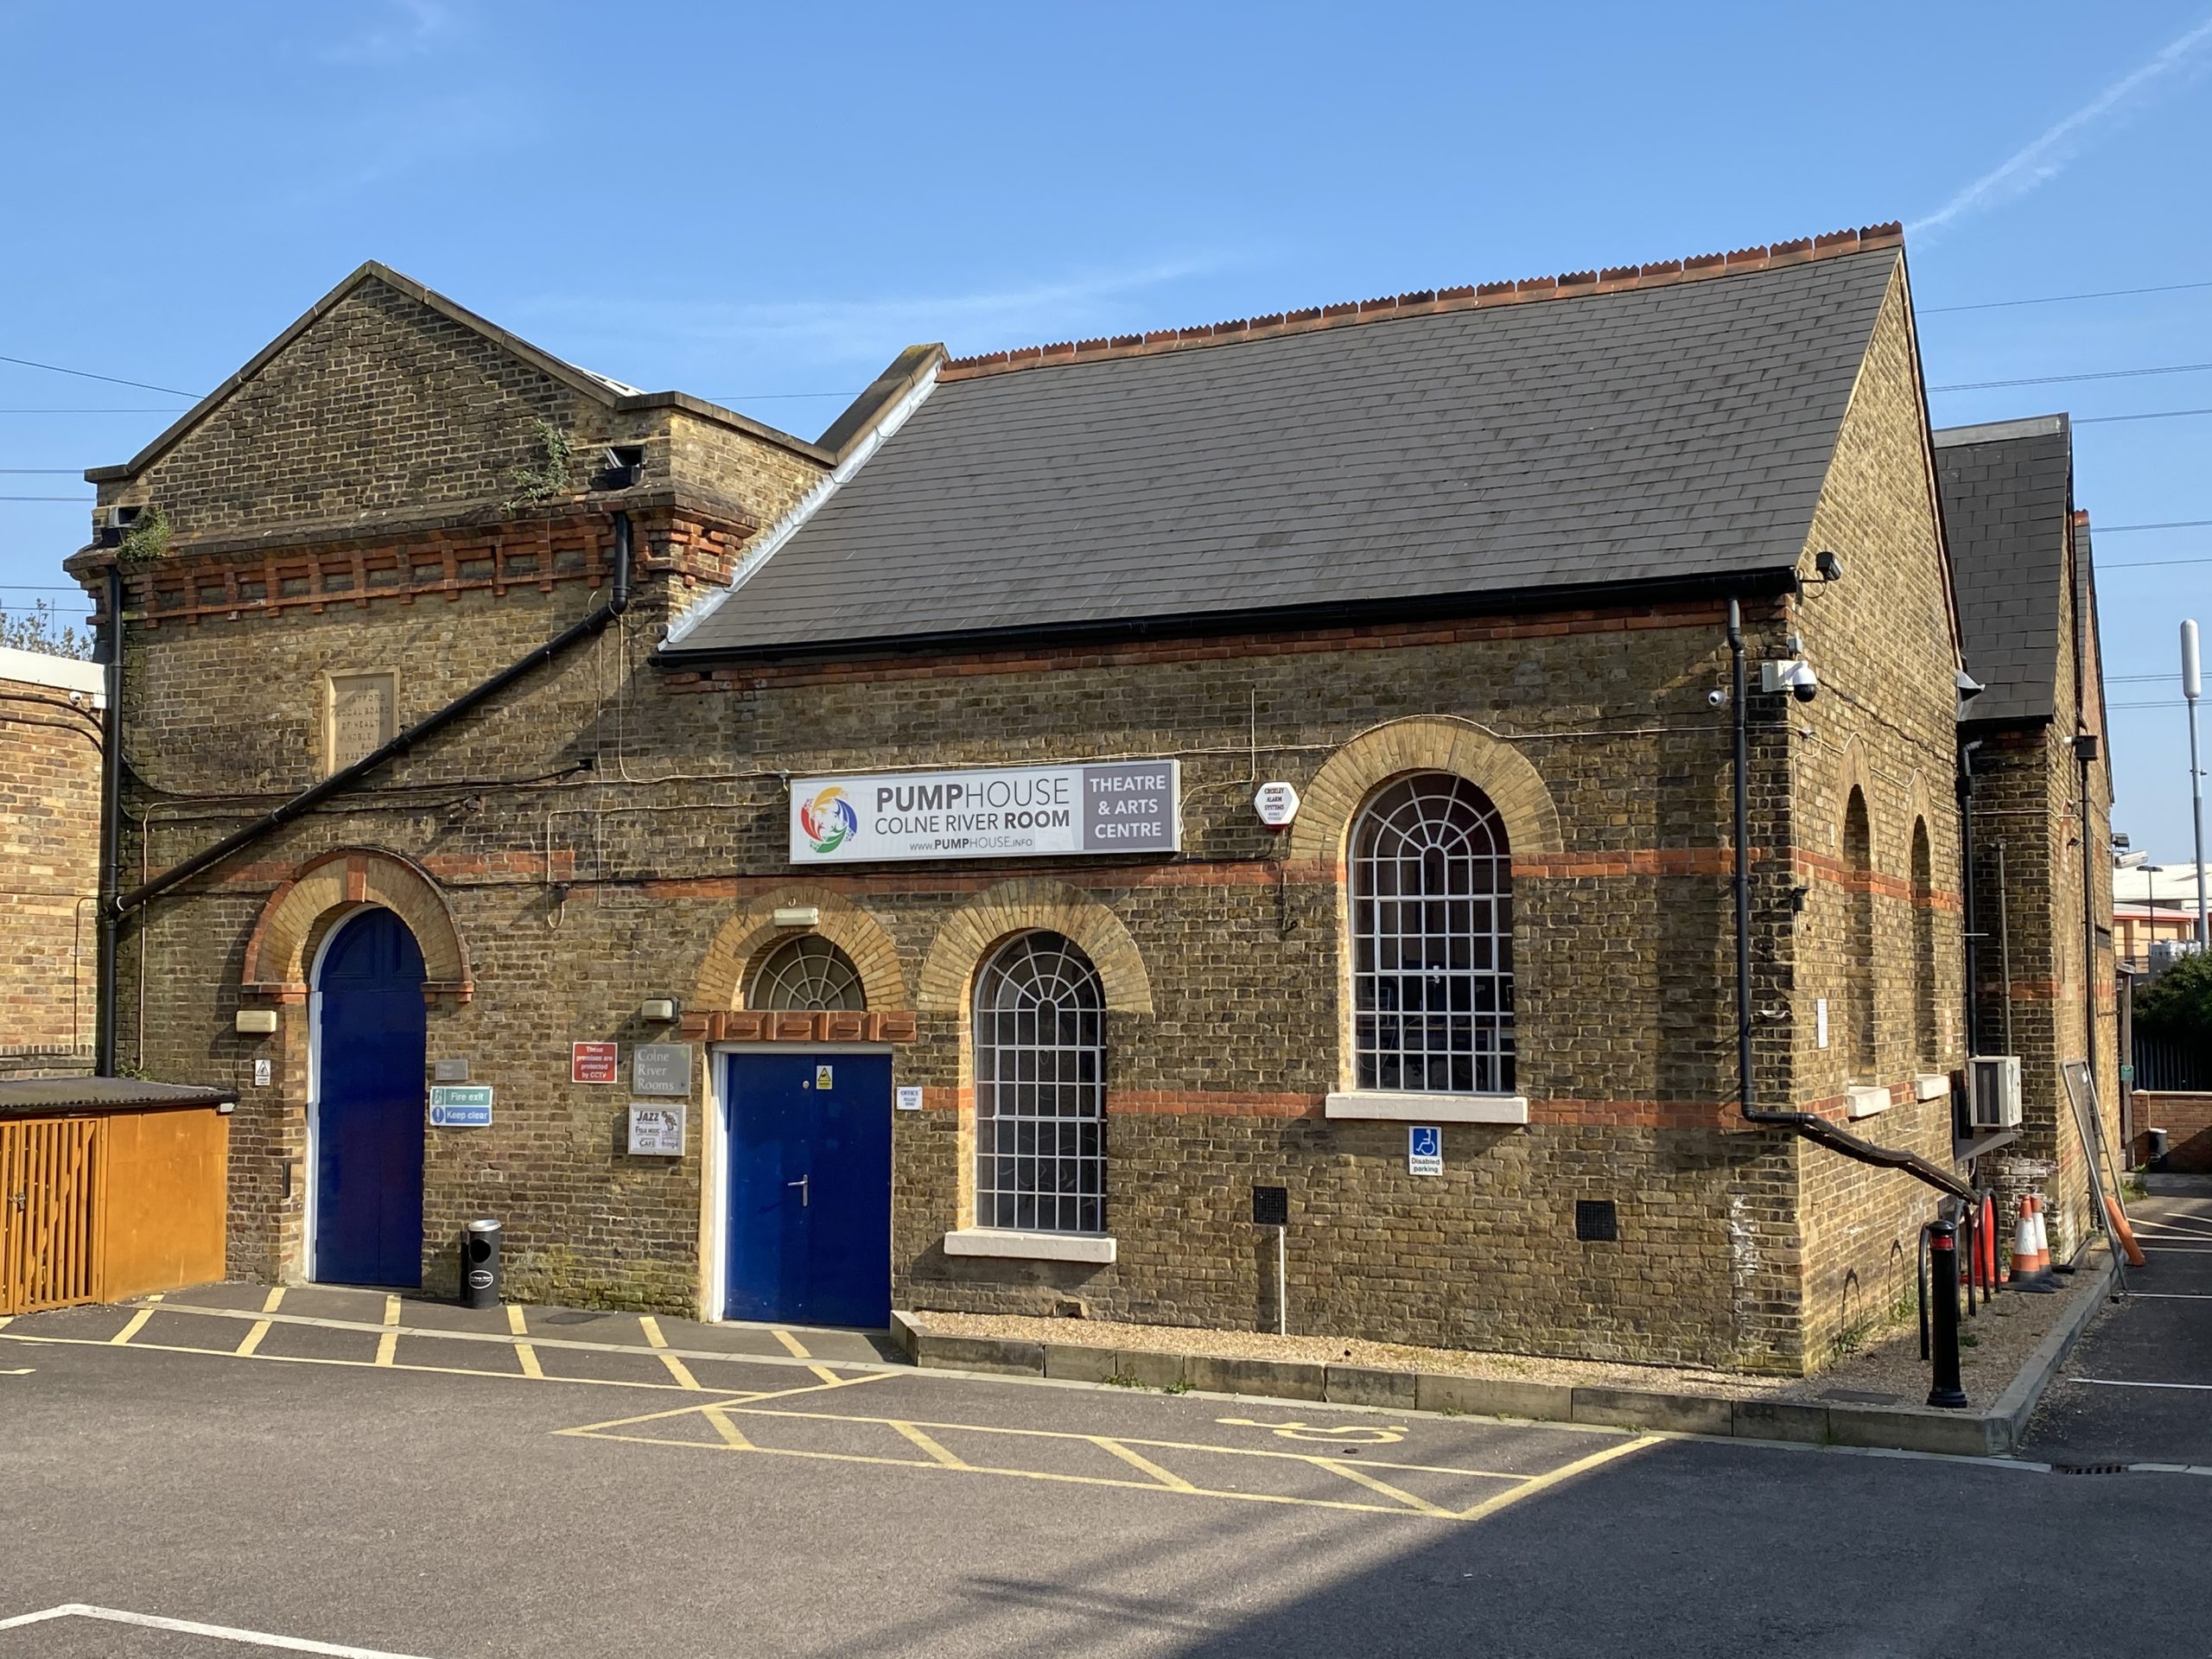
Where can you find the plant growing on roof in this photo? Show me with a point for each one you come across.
(2178, 1003)
(541, 479)
(146, 539)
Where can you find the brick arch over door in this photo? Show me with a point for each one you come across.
(966, 936)
(740, 943)
(1425, 743)
(331, 885)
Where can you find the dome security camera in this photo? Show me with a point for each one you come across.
(1717, 698)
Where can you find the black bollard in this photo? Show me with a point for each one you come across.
(1943, 1290)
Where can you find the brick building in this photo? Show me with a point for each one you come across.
(2041, 789)
(49, 860)
(889, 801)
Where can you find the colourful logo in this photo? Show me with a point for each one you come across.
(828, 819)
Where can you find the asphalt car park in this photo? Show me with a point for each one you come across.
(333, 1471)
(2139, 1387)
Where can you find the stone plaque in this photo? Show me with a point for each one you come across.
(360, 718)
(661, 1069)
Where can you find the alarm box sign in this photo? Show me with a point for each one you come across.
(1119, 806)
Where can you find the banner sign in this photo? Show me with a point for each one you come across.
(1118, 806)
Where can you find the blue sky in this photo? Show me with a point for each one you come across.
(762, 203)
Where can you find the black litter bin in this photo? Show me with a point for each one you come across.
(479, 1265)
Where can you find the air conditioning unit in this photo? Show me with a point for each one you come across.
(1993, 1090)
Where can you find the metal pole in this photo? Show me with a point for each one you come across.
(2004, 948)
(1283, 1282)
(111, 871)
(2192, 687)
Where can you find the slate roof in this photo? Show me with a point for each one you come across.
(1672, 431)
(2006, 491)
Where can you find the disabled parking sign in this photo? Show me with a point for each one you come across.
(1424, 1149)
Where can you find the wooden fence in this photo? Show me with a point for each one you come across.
(50, 1171)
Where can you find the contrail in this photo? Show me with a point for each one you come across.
(2041, 161)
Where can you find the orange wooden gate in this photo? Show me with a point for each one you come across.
(49, 1208)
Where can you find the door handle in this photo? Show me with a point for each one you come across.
(801, 1184)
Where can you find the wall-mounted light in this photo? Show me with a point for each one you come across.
(797, 916)
(255, 1022)
(657, 1010)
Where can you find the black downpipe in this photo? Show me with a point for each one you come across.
(1818, 1130)
(338, 782)
(111, 875)
(1972, 928)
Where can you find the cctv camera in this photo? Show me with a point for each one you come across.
(1805, 686)
(1718, 699)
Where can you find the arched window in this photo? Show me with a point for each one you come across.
(807, 973)
(1930, 1041)
(1432, 916)
(1040, 1089)
(1858, 944)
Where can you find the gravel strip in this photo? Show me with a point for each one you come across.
(1996, 1344)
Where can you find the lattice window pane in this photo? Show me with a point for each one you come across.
(807, 974)
(1432, 947)
(1040, 1089)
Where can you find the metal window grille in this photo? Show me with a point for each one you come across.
(1432, 940)
(810, 974)
(1040, 1089)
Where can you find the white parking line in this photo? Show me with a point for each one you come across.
(2122, 1382)
(190, 1627)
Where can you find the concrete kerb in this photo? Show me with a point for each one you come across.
(1994, 1432)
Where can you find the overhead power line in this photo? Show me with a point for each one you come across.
(2059, 299)
(2055, 379)
(2172, 524)
(52, 472)
(85, 499)
(87, 374)
(2149, 415)
(87, 412)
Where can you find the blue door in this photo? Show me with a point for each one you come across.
(368, 1176)
(810, 1188)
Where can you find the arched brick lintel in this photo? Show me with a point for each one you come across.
(1023, 906)
(731, 957)
(1425, 743)
(300, 912)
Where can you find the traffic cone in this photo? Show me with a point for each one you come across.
(2027, 1268)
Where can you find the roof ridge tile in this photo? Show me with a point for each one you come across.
(1575, 284)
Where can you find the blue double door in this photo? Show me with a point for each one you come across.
(370, 1038)
(810, 1188)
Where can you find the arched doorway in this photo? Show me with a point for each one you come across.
(370, 1036)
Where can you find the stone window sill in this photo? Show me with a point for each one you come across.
(1392, 1106)
(1865, 1100)
(1931, 1085)
(1097, 1247)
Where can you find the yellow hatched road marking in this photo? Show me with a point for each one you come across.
(732, 1435)
(528, 1356)
(515, 1325)
(137, 1323)
(739, 1398)
(932, 1447)
(734, 1402)
(245, 1350)
(1535, 1484)
(676, 1368)
(1354, 1472)
(356, 1364)
(388, 1344)
(1167, 1477)
(274, 1300)
(798, 1348)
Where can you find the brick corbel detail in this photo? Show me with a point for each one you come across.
(797, 1025)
